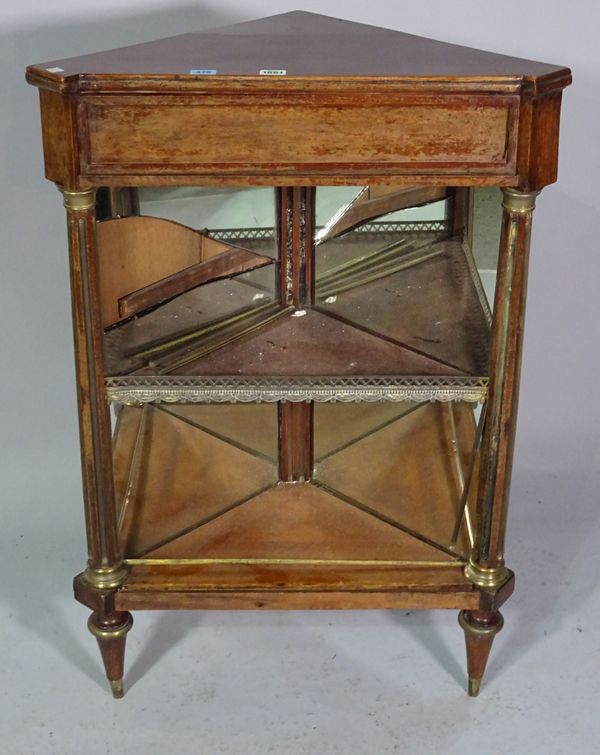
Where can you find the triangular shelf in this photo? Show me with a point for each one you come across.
(390, 495)
(308, 342)
(298, 522)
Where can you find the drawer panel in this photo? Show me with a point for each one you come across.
(257, 135)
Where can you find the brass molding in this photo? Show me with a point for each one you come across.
(142, 389)
(519, 202)
(487, 577)
(478, 631)
(106, 578)
(110, 633)
(78, 201)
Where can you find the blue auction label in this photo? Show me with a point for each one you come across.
(203, 71)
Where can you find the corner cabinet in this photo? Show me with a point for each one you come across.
(292, 390)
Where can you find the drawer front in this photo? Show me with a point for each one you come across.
(254, 135)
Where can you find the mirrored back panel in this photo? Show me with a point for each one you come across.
(194, 265)
(396, 262)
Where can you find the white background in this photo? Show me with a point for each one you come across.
(322, 682)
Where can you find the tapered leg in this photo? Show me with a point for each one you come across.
(480, 628)
(111, 633)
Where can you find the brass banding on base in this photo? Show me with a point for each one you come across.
(110, 633)
(480, 631)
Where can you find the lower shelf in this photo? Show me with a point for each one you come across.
(384, 522)
(295, 586)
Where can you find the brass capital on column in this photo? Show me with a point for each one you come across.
(520, 202)
(78, 201)
(107, 578)
(487, 577)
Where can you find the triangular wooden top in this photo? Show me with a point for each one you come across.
(302, 45)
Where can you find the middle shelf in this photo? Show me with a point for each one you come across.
(418, 330)
(351, 294)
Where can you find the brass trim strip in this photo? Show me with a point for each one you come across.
(135, 465)
(463, 509)
(383, 518)
(206, 520)
(406, 410)
(287, 561)
(462, 483)
(272, 460)
(170, 363)
(518, 207)
(215, 325)
(100, 512)
(502, 310)
(374, 267)
(366, 261)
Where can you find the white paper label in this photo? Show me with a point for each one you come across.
(272, 72)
